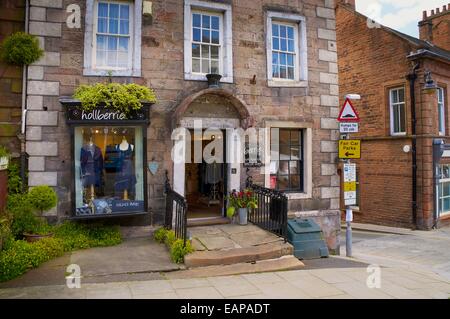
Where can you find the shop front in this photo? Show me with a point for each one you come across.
(108, 151)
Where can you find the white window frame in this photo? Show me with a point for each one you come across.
(307, 156)
(441, 198)
(134, 46)
(391, 110)
(301, 49)
(441, 110)
(226, 39)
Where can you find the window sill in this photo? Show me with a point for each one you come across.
(292, 196)
(398, 134)
(201, 77)
(292, 84)
(115, 73)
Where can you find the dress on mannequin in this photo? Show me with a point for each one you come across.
(125, 176)
(91, 162)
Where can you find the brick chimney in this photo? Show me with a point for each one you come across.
(435, 27)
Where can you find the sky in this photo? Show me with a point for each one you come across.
(401, 15)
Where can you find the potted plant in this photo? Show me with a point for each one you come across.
(241, 202)
(41, 199)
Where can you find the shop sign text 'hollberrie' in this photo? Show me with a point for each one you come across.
(100, 115)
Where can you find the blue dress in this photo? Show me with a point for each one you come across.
(125, 176)
(91, 162)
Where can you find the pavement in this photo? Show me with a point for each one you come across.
(384, 266)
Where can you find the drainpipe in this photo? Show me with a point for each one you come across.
(412, 77)
(23, 153)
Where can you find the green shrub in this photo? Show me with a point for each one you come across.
(20, 48)
(80, 236)
(160, 235)
(25, 221)
(121, 97)
(4, 152)
(14, 180)
(20, 256)
(170, 238)
(178, 250)
(42, 198)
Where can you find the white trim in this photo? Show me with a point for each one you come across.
(307, 154)
(226, 63)
(301, 63)
(391, 110)
(441, 110)
(134, 45)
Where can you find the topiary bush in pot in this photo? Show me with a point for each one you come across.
(20, 48)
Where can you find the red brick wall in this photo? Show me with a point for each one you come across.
(11, 20)
(436, 28)
(371, 61)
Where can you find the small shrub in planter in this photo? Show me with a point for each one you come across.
(176, 246)
(42, 198)
(20, 48)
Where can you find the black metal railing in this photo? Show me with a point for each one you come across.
(272, 211)
(175, 204)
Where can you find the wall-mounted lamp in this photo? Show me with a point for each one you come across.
(430, 86)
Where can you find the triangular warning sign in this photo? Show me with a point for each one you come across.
(348, 113)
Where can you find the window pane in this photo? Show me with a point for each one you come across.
(103, 10)
(401, 95)
(290, 60)
(283, 44)
(123, 44)
(293, 167)
(274, 154)
(394, 96)
(101, 42)
(285, 136)
(283, 72)
(215, 37)
(402, 118)
(196, 35)
(206, 36)
(205, 21)
(295, 139)
(111, 58)
(113, 11)
(112, 43)
(274, 58)
(285, 152)
(195, 50)
(205, 51)
(124, 27)
(295, 153)
(196, 20)
(124, 12)
(205, 66)
(214, 52)
(275, 71)
(291, 46)
(290, 73)
(113, 26)
(290, 32)
(196, 65)
(283, 168)
(273, 167)
(283, 31)
(101, 61)
(275, 30)
(122, 59)
(283, 58)
(102, 25)
(395, 119)
(215, 23)
(295, 182)
(275, 44)
(283, 182)
(215, 67)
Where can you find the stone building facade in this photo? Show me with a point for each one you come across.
(388, 69)
(306, 100)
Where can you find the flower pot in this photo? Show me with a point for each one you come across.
(243, 216)
(31, 238)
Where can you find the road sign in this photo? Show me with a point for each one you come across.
(349, 173)
(350, 187)
(348, 113)
(349, 149)
(348, 127)
(350, 201)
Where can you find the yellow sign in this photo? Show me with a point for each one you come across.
(349, 149)
(350, 187)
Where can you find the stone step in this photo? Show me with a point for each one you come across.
(283, 263)
(238, 255)
(208, 221)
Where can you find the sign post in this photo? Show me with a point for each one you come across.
(349, 149)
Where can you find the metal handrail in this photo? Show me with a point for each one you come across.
(179, 223)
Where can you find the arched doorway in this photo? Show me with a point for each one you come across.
(205, 176)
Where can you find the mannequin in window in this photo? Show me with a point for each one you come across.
(213, 176)
(91, 162)
(125, 177)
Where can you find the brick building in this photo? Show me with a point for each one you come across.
(400, 120)
(278, 63)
